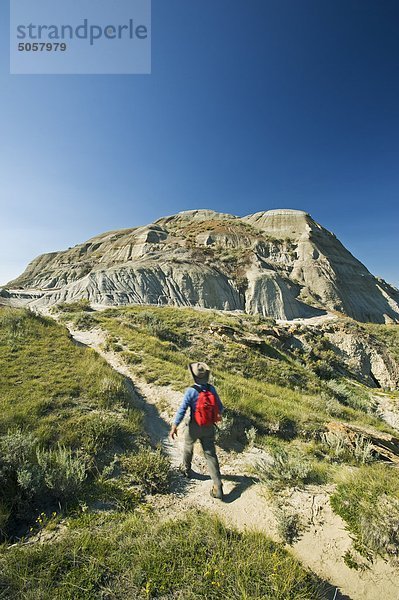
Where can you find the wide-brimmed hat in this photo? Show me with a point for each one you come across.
(200, 372)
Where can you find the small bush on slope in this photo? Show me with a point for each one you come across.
(85, 321)
(72, 307)
(336, 447)
(352, 396)
(290, 467)
(31, 476)
(368, 500)
(192, 558)
(64, 472)
(289, 525)
(149, 469)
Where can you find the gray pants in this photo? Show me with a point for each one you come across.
(206, 436)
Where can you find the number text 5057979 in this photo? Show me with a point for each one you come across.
(41, 47)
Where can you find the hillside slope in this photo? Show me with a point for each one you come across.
(307, 434)
(303, 449)
(77, 478)
(278, 263)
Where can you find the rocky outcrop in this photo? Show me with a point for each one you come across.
(269, 294)
(359, 354)
(278, 263)
(326, 271)
(152, 283)
(367, 360)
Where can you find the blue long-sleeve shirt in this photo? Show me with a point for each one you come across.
(190, 401)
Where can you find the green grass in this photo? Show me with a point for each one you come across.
(76, 408)
(264, 384)
(264, 387)
(136, 556)
(386, 334)
(49, 385)
(64, 414)
(368, 500)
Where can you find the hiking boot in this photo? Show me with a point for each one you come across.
(186, 471)
(216, 493)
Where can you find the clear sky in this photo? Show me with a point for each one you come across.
(251, 105)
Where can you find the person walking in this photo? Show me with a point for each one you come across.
(205, 410)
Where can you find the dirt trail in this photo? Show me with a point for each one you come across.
(325, 539)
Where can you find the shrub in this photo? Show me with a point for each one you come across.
(323, 369)
(73, 307)
(149, 469)
(235, 431)
(288, 525)
(64, 472)
(368, 500)
(16, 448)
(31, 476)
(340, 448)
(351, 396)
(21, 479)
(250, 434)
(363, 450)
(289, 469)
(84, 321)
(225, 430)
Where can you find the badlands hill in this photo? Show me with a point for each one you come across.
(278, 263)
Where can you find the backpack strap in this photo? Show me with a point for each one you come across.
(198, 387)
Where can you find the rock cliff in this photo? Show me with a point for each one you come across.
(278, 263)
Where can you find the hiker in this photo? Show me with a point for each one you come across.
(205, 410)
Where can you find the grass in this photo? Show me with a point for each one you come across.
(48, 384)
(386, 334)
(69, 433)
(354, 396)
(290, 466)
(265, 388)
(368, 500)
(265, 385)
(136, 556)
(149, 469)
(64, 415)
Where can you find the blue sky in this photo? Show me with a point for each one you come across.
(250, 106)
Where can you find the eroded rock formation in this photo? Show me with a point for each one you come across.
(278, 263)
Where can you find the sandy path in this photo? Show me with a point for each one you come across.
(325, 539)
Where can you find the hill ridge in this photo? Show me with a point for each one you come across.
(279, 263)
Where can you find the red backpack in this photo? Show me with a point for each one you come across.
(207, 408)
